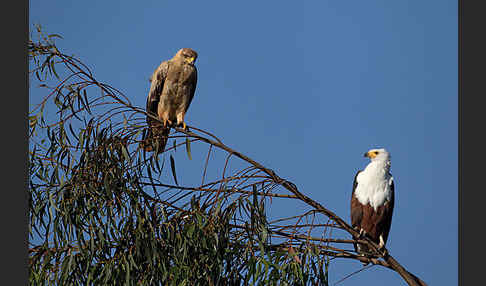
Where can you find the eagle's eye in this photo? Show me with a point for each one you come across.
(376, 152)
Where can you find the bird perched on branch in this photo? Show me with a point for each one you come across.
(373, 199)
(172, 88)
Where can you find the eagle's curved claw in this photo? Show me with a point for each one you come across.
(384, 252)
(183, 125)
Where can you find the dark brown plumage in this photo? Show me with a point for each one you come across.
(172, 89)
(375, 223)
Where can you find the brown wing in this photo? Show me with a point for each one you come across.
(386, 221)
(356, 207)
(356, 213)
(156, 86)
(193, 89)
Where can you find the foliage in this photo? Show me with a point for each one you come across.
(104, 212)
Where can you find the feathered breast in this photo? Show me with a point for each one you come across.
(373, 186)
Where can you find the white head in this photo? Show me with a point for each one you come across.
(380, 155)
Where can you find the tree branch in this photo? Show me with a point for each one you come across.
(390, 262)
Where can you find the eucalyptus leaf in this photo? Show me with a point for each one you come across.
(173, 168)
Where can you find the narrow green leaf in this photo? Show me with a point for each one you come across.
(70, 263)
(106, 183)
(188, 148)
(172, 166)
(57, 102)
(81, 139)
(54, 70)
(72, 132)
(45, 63)
(64, 269)
(218, 207)
(55, 36)
(132, 261)
(127, 273)
(190, 230)
(52, 206)
(86, 102)
(264, 233)
(253, 208)
(125, 153)
(137, 133)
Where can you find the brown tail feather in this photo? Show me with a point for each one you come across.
(154, 135)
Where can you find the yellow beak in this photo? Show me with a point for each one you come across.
(191, 60)
(370, 154)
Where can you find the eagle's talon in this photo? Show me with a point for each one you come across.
(183, 125)
(362, 233)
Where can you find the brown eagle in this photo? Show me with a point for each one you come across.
(373, 199)
(172, 88)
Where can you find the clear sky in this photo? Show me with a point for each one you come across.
(305, 88)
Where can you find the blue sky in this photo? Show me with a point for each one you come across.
(305, 88)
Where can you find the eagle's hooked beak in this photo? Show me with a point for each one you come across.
(371, 154)
(191, 60)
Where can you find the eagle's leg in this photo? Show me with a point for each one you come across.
(180, 120)
(362, 249)
(167, 123)
(381, 246)
(164, 117)
(362, 232)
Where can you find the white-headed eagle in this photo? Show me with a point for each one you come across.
(373, 199)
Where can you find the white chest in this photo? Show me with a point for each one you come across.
(374, 186)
